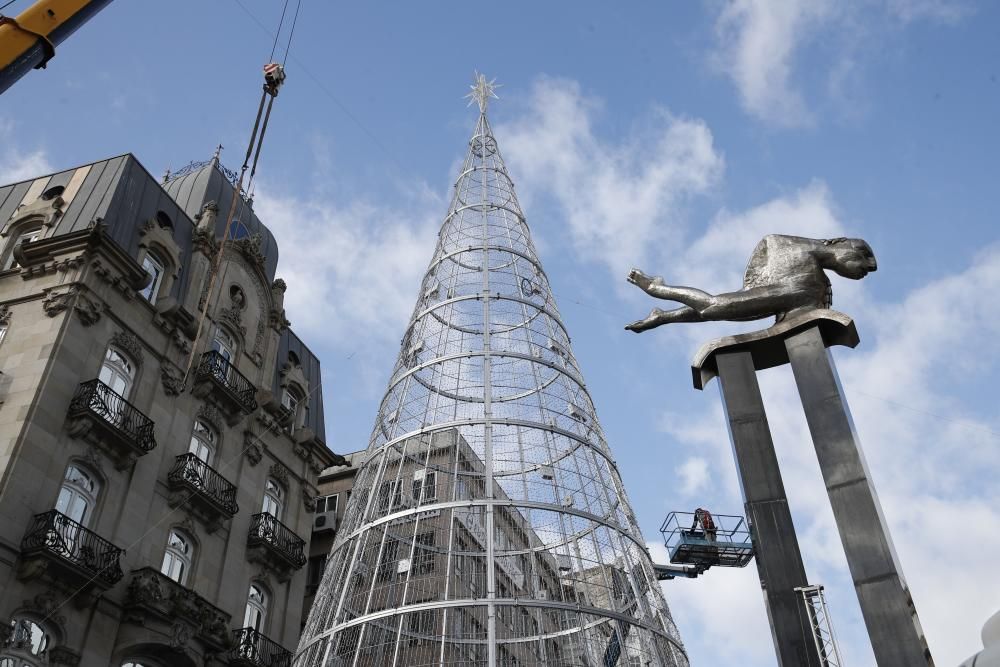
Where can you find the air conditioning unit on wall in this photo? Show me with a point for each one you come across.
(324, 521)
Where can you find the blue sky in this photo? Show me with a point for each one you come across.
(669, 136)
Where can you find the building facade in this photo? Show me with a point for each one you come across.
(158, 471)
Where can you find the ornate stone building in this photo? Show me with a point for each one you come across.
(157, 481)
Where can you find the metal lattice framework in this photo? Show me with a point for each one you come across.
(488, 523)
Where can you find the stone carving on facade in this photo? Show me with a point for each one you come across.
(280, 473)
(57, 299)
(151, 591)
(46, 605)
(250, 247)
(172, 379)
(47, 211)
(93, 460)
(257, 352)
(4, 314)
(144, 588)
(180, 635)
(187, 525)
(209, 413)
(309, 499)
(276, 317)
(203, 237)
(128, 342)
(88, 310)
(233, 314)
(253, 448)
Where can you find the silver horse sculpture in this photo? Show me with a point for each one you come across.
(785, 276)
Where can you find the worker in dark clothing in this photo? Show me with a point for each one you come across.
(704, 517)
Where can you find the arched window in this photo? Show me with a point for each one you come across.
(164, 221)
(26, 236)
(155, 268)
(78, 494)
(117, 372)
(27, 640)
(202, 442)
(224, 344)
(133, 663)
(53, 192)
(178, 556)
(256, 613)
(274, 498)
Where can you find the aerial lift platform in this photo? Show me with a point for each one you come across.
(699, 540)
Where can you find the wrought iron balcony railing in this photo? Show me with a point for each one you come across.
(266, 530)
(96, 398)
(55, 535)
(216, 367)
(252, 648)
(191, 471)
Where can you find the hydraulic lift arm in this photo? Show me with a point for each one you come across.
(29, 41)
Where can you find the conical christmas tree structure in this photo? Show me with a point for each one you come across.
(488, 523)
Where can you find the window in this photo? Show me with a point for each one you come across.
(154, 267)
(274, 498)
(132, 663)
(78, 494)
(177, 557)
(202, 442)
(423, 553)
(53, 192)
(224, 344)
(389, 497)
(387, 566)
(3, 332)
(27, 236)
(117, 372)
(424, 486)
(327, 503)
(256, 612)
(27, 639)
(290, 400)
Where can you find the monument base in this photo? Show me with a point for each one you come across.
(767, 346)
(803, 341)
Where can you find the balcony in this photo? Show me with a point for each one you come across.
(157, 602)
(274, 545)
(61, 548)
(217, 379)
(252, 649)
(100, 415)
(208, 494)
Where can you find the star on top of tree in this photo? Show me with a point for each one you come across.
(482, 91)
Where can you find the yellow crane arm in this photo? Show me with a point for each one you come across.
(29, 41)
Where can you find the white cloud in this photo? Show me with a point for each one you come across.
(758, 41)
(353, 271)
(762, 45)
(694, 475)
(948, 11)
(617, 199)
(17, 164)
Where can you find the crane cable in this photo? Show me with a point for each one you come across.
(274, 76)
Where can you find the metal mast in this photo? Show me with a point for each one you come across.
(488, 524)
